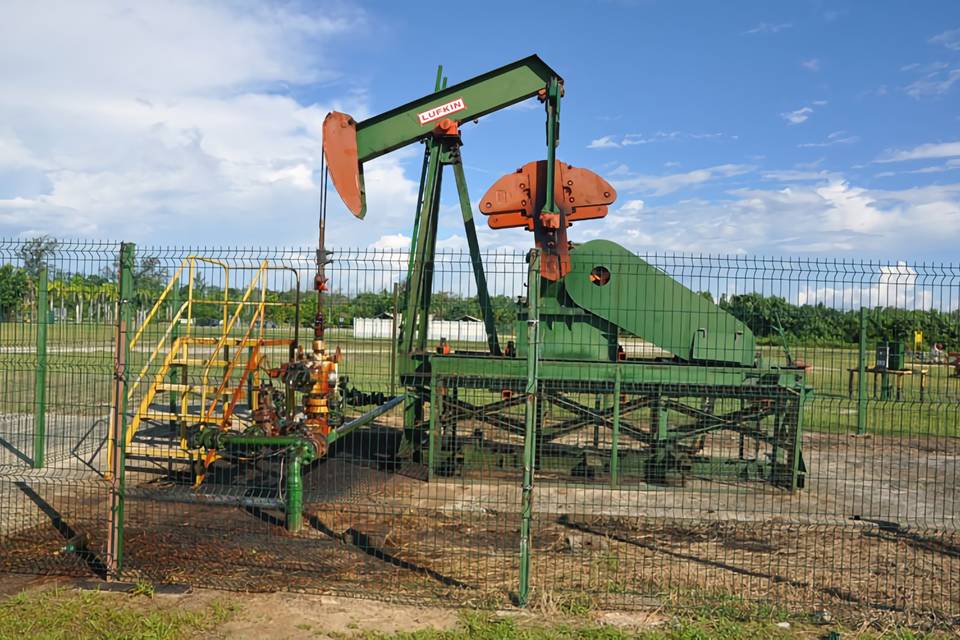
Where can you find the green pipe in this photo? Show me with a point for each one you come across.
(294, 506)
(40, 376)
(366, 418)
(862, 371)
(300, 451)
(307, 449)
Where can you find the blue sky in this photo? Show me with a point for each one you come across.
(788, 128)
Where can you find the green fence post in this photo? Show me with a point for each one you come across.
(615, 438)
(118, 418)
(532, 415)
(40, 375)
(862, 372)
(433, 436)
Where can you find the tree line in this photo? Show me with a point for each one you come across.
(92, 297)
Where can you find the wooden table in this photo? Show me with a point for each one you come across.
(899, 376)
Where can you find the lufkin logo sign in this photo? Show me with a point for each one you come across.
(441, 110)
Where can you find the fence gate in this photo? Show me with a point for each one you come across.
(57, 348)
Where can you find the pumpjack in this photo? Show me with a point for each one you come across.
(699, 374)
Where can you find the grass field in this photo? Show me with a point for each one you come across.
(80, 361)
(65, 613)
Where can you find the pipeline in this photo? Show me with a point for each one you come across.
(300, 451)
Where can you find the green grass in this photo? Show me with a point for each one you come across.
(80, 615)
(474, 626)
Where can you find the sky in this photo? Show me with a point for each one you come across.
(796, 128)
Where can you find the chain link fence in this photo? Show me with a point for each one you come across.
(664, 430)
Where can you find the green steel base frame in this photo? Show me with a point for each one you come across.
(656, 433)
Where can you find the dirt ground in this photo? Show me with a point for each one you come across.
(874, 532)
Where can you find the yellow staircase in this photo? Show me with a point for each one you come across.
(200, 379)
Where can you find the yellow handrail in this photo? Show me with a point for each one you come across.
(188, 261)
(156, 350)
(231, 365)
(257, 279)
(157, 304)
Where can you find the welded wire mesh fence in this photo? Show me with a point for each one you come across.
(656, 429)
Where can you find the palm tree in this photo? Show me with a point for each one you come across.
(58, 289)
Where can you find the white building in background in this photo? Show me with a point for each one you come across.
(464, 329)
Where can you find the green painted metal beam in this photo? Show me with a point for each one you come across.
(479, 96)
(483, 295)
(646, 302)
(606, 372)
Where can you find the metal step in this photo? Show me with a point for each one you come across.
(154, 452)
(191, 388)
(198, 362)
(168, 415)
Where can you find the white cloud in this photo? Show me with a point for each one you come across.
(662, 185)
(825, 216)
(798, 116)
(631, 139)
(949, 39)
(892, 285)
(935, 78)
(923, 152)
(391, 241)
(606, 142)
(936, 83)
(632, 206)
(148, 121)
(837, 137)
(793, 175)
(813, 64)
(766, 27)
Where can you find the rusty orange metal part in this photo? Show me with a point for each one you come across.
(517, 200)
(340, 149)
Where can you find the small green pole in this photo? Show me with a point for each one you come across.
(798, 442)
(119, 412)
(40, 375)
(532, 414)
(433, 435)
(615, 438)
(294, 506)
(862, 372)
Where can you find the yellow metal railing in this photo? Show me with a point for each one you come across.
(179, 350)
(261, 279)
(190, 263)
